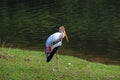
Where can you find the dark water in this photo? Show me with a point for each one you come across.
(93, 32)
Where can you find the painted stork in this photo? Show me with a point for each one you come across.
(53, 42)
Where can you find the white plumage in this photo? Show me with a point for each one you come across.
(54, 40)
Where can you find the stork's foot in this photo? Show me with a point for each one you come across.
(52, 69)
(58, 69)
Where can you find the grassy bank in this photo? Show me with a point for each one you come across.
(16, 64)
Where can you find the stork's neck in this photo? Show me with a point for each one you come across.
(62, 34)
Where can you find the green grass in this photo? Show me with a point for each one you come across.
(16, 64)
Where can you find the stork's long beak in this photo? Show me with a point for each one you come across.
(66, 36)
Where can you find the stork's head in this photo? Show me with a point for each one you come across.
(62, 29)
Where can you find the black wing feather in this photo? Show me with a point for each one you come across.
(51, 54)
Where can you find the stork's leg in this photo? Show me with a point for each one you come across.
(52, 65)
(58, 64)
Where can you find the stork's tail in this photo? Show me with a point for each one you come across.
(51, 54)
